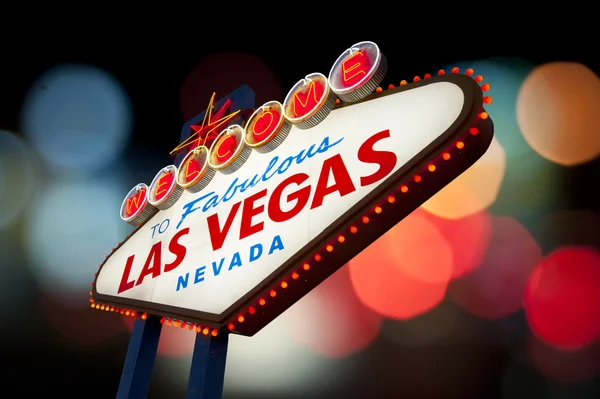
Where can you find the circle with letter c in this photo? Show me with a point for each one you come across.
(229, 152)
(164, 191)
(267, 128)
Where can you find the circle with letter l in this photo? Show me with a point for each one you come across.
(194, 173)
(358, 72)
(135, 208)
(229, 152)
(309, 102)
(267, 128)
(164, 191)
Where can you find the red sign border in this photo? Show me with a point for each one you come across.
(468, 117)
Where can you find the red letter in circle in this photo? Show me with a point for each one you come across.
(355, 67)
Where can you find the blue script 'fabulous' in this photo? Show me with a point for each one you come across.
(236, 261)
(275, 167)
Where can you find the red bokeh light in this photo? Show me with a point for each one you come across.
(562, 298)
(84, 326)
(565, 367)
(174, 341)
(495, 289)
(336, 324)
(379, 274)
(469, 238)
(222, 73)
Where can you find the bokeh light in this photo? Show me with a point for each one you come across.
(380, 274)
(71, 228)
(557, 110)
(565, 367)
(267, 363)
(474, 190)
(175, 342)
(82, 326)
(469, 238)
(411, 238)
(568, 228)
(222, 73)
(495, 289)
(17, 288)
(562, 298)
(78, 117)
(17, 176)
(331, 321)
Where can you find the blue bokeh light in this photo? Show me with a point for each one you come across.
(78, 117)
(74, 224)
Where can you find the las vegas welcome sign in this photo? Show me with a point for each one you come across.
(245, 227)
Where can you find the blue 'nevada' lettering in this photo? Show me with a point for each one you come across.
(274, 167)
(255, 252)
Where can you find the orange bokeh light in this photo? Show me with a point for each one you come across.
(469, 238)
(474, 190)
(495, 289)
(419, 250)
(335, 323)
(174, 341)
(380, 279)
(557, 111)
(562, 298)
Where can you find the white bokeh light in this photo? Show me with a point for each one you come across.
(265, 364)
(17, 177)
(78, 117)
(69, 231)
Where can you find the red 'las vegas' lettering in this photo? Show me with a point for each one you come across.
(300, 196)
(333, 169)
(385, 159)
(152, 266)
(342, 182)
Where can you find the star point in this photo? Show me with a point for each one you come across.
(206, 132)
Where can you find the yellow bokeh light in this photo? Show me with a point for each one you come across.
(474, 190)
(557, 111)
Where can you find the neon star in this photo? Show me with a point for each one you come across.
(208, 129)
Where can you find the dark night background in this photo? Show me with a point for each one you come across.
(52, 343)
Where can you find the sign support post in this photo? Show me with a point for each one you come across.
(139, 362)
(207, 373)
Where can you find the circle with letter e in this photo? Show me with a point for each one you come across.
(164, 191)
(135, 209)
(267, 128)
(358, 72)
(229, 152)
(194, 173)
(309, 102)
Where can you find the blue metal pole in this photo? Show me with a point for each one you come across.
(208, 367)
(139, 362)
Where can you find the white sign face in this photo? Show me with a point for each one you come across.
(213, 247)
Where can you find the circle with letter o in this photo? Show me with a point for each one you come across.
(229, 152)
(267, 128)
